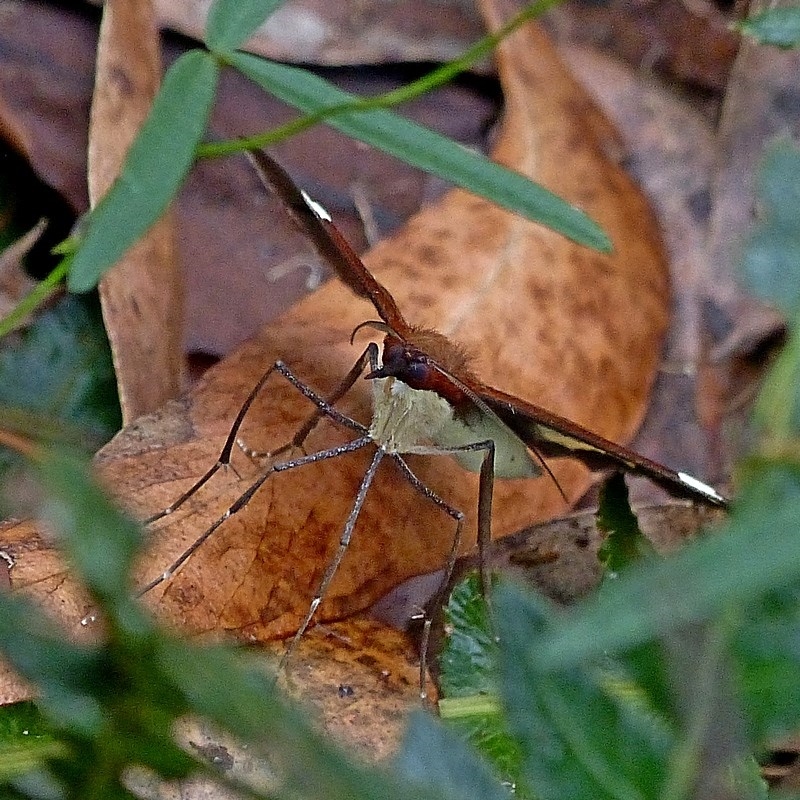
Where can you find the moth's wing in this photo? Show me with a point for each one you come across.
(477, 423)
(317, 224)
(552, 436)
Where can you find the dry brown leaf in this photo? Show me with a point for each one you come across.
(672, 152)
(689, 42)
(560, 558)
(44, 92)
(318, 32)
(141, 296)
(567, 328)
(28, 560)
(361, 680)
(358, 682)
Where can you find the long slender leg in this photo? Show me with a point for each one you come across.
(324, 408)
(450, 564)
(485, 492)
(333, 565)
(224, 458)
(320, 402)
(245, 498)
(370, 355)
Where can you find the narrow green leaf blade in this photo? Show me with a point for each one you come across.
(757, 552)
(25, 740)
(433, 757)
(425, 149)
(64, 673)
(231, 22)
(767, 653)
(771, 258)
(577, 738)
(777, 26)
(93, 531)
(157, 162)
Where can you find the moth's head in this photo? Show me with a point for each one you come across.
(404, 362)
(422, 359)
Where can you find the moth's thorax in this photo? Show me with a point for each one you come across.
(406, 419)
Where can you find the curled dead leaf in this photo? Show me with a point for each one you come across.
(141, 296)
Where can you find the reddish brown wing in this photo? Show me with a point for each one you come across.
(547, 434)
(552, 436)
(315, 222)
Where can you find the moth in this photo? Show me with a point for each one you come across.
(425, 401)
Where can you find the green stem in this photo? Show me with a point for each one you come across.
(390, 99)
(35, 297)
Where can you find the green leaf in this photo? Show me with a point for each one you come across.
(468, 680)
(771, 260)
(60, 366)
(577, 739)
(647, 668)
(777, 408)
(57, 373)
(770, 264)
(747, 783)
(767, 653)
(432, 757)
(777, 26)
(711, 732)
(63, 672)
(423, 148)
(231, 22)
(778, 190)
(155, 167)
(756, 552)
(624, 543)
(25, 740)
(93, 531)
(469, 659)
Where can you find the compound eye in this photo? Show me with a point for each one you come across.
(417, 373)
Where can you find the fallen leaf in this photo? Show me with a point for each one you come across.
(47, 59)
(672, 153)
(45, 94)
(559, 558)
(360, 678)
(356, 678)
(689, 42)
(32, 561)
(141, 296)
(570, 329)
(316, 32)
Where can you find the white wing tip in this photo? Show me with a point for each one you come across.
(701, 487)
(318, 209)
